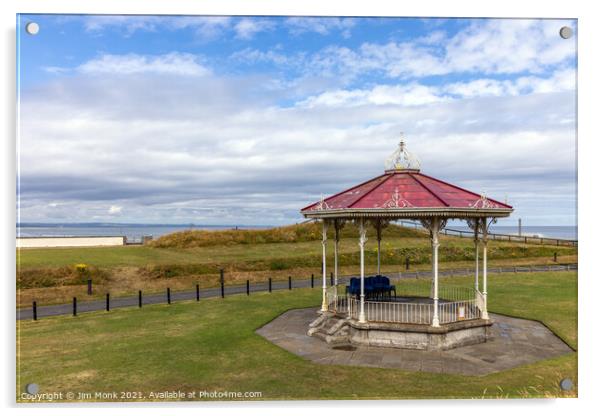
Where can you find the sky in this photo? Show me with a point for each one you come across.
(245, 120)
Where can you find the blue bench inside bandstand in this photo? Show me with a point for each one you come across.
(377, 286)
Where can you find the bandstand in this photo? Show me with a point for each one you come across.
(372, 311)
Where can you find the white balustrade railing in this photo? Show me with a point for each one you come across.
(406, 312)
(458, 311)
(391, 312)
(455, 293)
(331, 298)
(455, 304)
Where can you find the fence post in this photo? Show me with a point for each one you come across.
(89, 287)
(198, 293)
(107, 303)
(270, 284)
(407, 263)
(248, 288)
(139, 298)
(221, 281)
(555, 257)
(168, 296)
(312, 280)
(74, 306)
(331, 279)
(290, 283)
(35, 311)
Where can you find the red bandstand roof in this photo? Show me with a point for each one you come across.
(404, 190)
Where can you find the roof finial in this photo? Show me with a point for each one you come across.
(401, 159)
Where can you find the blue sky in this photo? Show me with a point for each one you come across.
(244, 120)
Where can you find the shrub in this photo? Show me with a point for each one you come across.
(309, 231)
(60, 276)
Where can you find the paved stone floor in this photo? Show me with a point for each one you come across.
(514, 342)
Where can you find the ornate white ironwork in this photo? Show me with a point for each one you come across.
(483, 202)
(396, 201)
(433, 224)
(322, 205)
(401, 158)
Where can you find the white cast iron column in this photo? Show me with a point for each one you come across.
(362, 317)
(485, 314)
(476, 251)
(336, 253)
(324, 237)
(378, 238)
(435, 243)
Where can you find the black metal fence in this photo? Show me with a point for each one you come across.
(168, 297)
(525, 239)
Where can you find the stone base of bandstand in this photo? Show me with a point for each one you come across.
(511, 342)
(340, 330)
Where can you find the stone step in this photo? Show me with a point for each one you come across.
(336, 325)
(319, 321)
(332, 329)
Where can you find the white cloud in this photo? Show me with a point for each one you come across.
(496, 46)
(508, 46)
(415, 94)
(248, 27)
(252, 56)
(129, 23)
(205, 27)
(172, 63)
(222, 151)
(136, 134)
(115, 209)
(320, 25)
(409, 95)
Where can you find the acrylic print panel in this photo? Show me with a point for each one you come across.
(217, 208)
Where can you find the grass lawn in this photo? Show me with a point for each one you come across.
(128, 281)
(48, 276)
(212, 345)
(139, 256)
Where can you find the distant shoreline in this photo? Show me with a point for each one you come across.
(137, 231)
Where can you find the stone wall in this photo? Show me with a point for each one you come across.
(38, 242)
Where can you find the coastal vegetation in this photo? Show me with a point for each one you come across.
(182, 260)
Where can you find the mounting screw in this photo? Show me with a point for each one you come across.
(566, 32)
(32, 28)
(32, 388)
(566, 384)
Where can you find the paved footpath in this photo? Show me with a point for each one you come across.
(513, 342)
(151, 299)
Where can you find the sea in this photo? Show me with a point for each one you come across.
(137, 231)
(546, 231)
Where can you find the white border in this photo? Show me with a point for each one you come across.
(590, 187)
